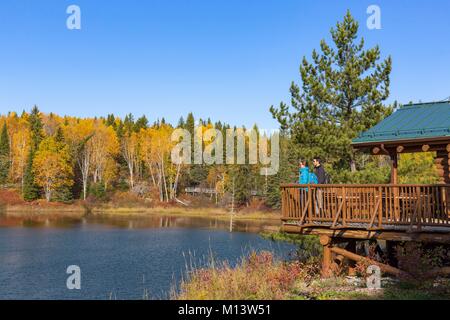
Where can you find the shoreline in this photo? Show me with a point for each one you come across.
(81, 211)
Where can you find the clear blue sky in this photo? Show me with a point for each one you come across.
(224, 59)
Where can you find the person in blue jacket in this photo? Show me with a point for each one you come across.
(305, 176)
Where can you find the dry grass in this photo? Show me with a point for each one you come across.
(259, 277)
(122, 204)
(189, 212)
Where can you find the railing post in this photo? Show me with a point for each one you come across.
(344, 206)
(419, 203)
(446, 201)
(310, 191)
(380, 209)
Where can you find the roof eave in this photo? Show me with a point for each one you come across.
(417, 141)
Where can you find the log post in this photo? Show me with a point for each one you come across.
(325, 241)
(351, 247)
(394, 180)
(442, 161)
(384, 267)
(391, 254)
(394, 165)
(425, 147)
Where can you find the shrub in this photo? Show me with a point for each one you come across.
(372, 254)
(126, 199)
(260, 276)
(308, 246)
(97, 190)
(418, 261)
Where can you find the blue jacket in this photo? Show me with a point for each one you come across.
(306, 177)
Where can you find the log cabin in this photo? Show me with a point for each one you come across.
(345, 214)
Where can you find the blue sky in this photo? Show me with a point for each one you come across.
(224, 59)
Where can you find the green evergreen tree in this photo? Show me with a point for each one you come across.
(5, 162)
(111, 121)
(290, 154)
(240, 183)
(342, 94)
(181, 124)
(30, 190)
(64, 193)
(36, 128)
(141, 123)
(128, 123)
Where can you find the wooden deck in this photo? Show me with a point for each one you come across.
(349, 214)
(401, 208)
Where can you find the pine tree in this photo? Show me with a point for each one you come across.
(342, 94)
(241, 174)
(141, 123)
(287, 173)
(63, 193)
(30, 190)
(197, 173)
(128, 123)
(36, 127)
(5, 162)
(181, 124)
(110, 121)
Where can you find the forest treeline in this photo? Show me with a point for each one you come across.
(67, 158)
(343, 91)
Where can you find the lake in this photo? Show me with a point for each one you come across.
(119, 258)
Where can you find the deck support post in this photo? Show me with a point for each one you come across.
(394, 180)
(325, 241)
(351, 247)
(394, 165)
(390, 253)
(384, 267)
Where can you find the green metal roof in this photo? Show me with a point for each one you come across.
(413, 121)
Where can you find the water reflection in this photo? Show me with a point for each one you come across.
(117, 253)
(141, 222)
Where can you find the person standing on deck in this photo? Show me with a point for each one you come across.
(319, 171)
(322, 178)
(305, 176)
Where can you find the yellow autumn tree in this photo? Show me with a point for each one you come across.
(20, 149)
(51, 166)
(78, 134)
(148, 153)
(19, 143)
(104, 147)
(155, 152)
(130, 152)
(110, 172)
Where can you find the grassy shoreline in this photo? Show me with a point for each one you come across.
(12, 204)
(80, 210)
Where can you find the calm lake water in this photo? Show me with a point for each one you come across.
(119, 258)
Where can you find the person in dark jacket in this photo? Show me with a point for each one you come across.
(319, 170)
(322, 179)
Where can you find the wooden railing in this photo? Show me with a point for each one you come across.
(370, 207)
